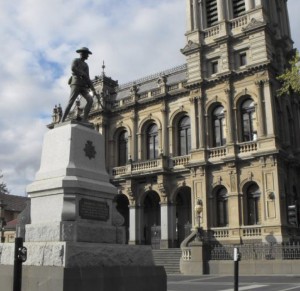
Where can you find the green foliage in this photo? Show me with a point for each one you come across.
(290, 79)
(3, 187)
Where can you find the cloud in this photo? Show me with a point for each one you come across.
(135, 38)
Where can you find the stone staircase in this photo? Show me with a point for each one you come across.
(169, 258)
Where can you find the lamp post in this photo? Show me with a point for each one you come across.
(2, 220)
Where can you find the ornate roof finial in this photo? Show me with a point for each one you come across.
(103, 67)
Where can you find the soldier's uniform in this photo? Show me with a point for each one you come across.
(80, 84)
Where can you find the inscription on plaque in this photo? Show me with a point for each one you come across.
(95, 210)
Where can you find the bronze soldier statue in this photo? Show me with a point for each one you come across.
(80, 83)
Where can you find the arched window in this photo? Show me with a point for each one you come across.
(249, 130)
(222, 207)
(184, 136)
(152, 141)
(253, 197)
(123, 148)
(219, 132)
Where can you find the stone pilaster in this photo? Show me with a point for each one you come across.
(194, 125)
(261, 109)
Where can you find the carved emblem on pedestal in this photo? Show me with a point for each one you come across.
(89, 150)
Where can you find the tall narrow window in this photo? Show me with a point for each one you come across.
(219, 132)
(243, 59)
(253, 196)
(222, 207)
(152, 142)
(211, 12)
(184, 136)
(214, 67)
(249, 130)
(238, 7)
(123, 148)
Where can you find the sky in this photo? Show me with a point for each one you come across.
(134, 38)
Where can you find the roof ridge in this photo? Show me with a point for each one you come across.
(152, 76)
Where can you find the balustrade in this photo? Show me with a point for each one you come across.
(247, 147)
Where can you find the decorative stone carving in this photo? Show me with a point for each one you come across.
(190, 47)
(89, 150)
(254, 23)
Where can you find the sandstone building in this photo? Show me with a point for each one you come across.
(213, 129)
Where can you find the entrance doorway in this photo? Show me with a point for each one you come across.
(183, 214)
(151, 219)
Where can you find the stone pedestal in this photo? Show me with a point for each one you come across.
(76, 240)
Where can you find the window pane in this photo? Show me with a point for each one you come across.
(152, 142)
(184, 136)
(217, 133)
(219, 130)
(246, 127)
(253, 196)
(249, 130)
(123, 148)
(222, 208)
(223, 131)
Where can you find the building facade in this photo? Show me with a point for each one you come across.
(213, 129)
(10, 207)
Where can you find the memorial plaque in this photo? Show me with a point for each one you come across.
(95, 210)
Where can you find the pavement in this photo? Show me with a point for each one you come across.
(226, 283)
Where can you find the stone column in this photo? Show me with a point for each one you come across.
(269, 107)
(160, 140)
(236, 121)
(194, 126)
(221, 10)
(201, 122)
(171, 140)
(196, 14)
(133, 148)
(165, 136)
(205, 127)
(189, 16)
(139, 146)
(201, 16)
(132, 225)
(257, 3)
(230, 131)
(164, 218)
(233, 199)
(249, 4)
(261, 109)
(139, 224)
